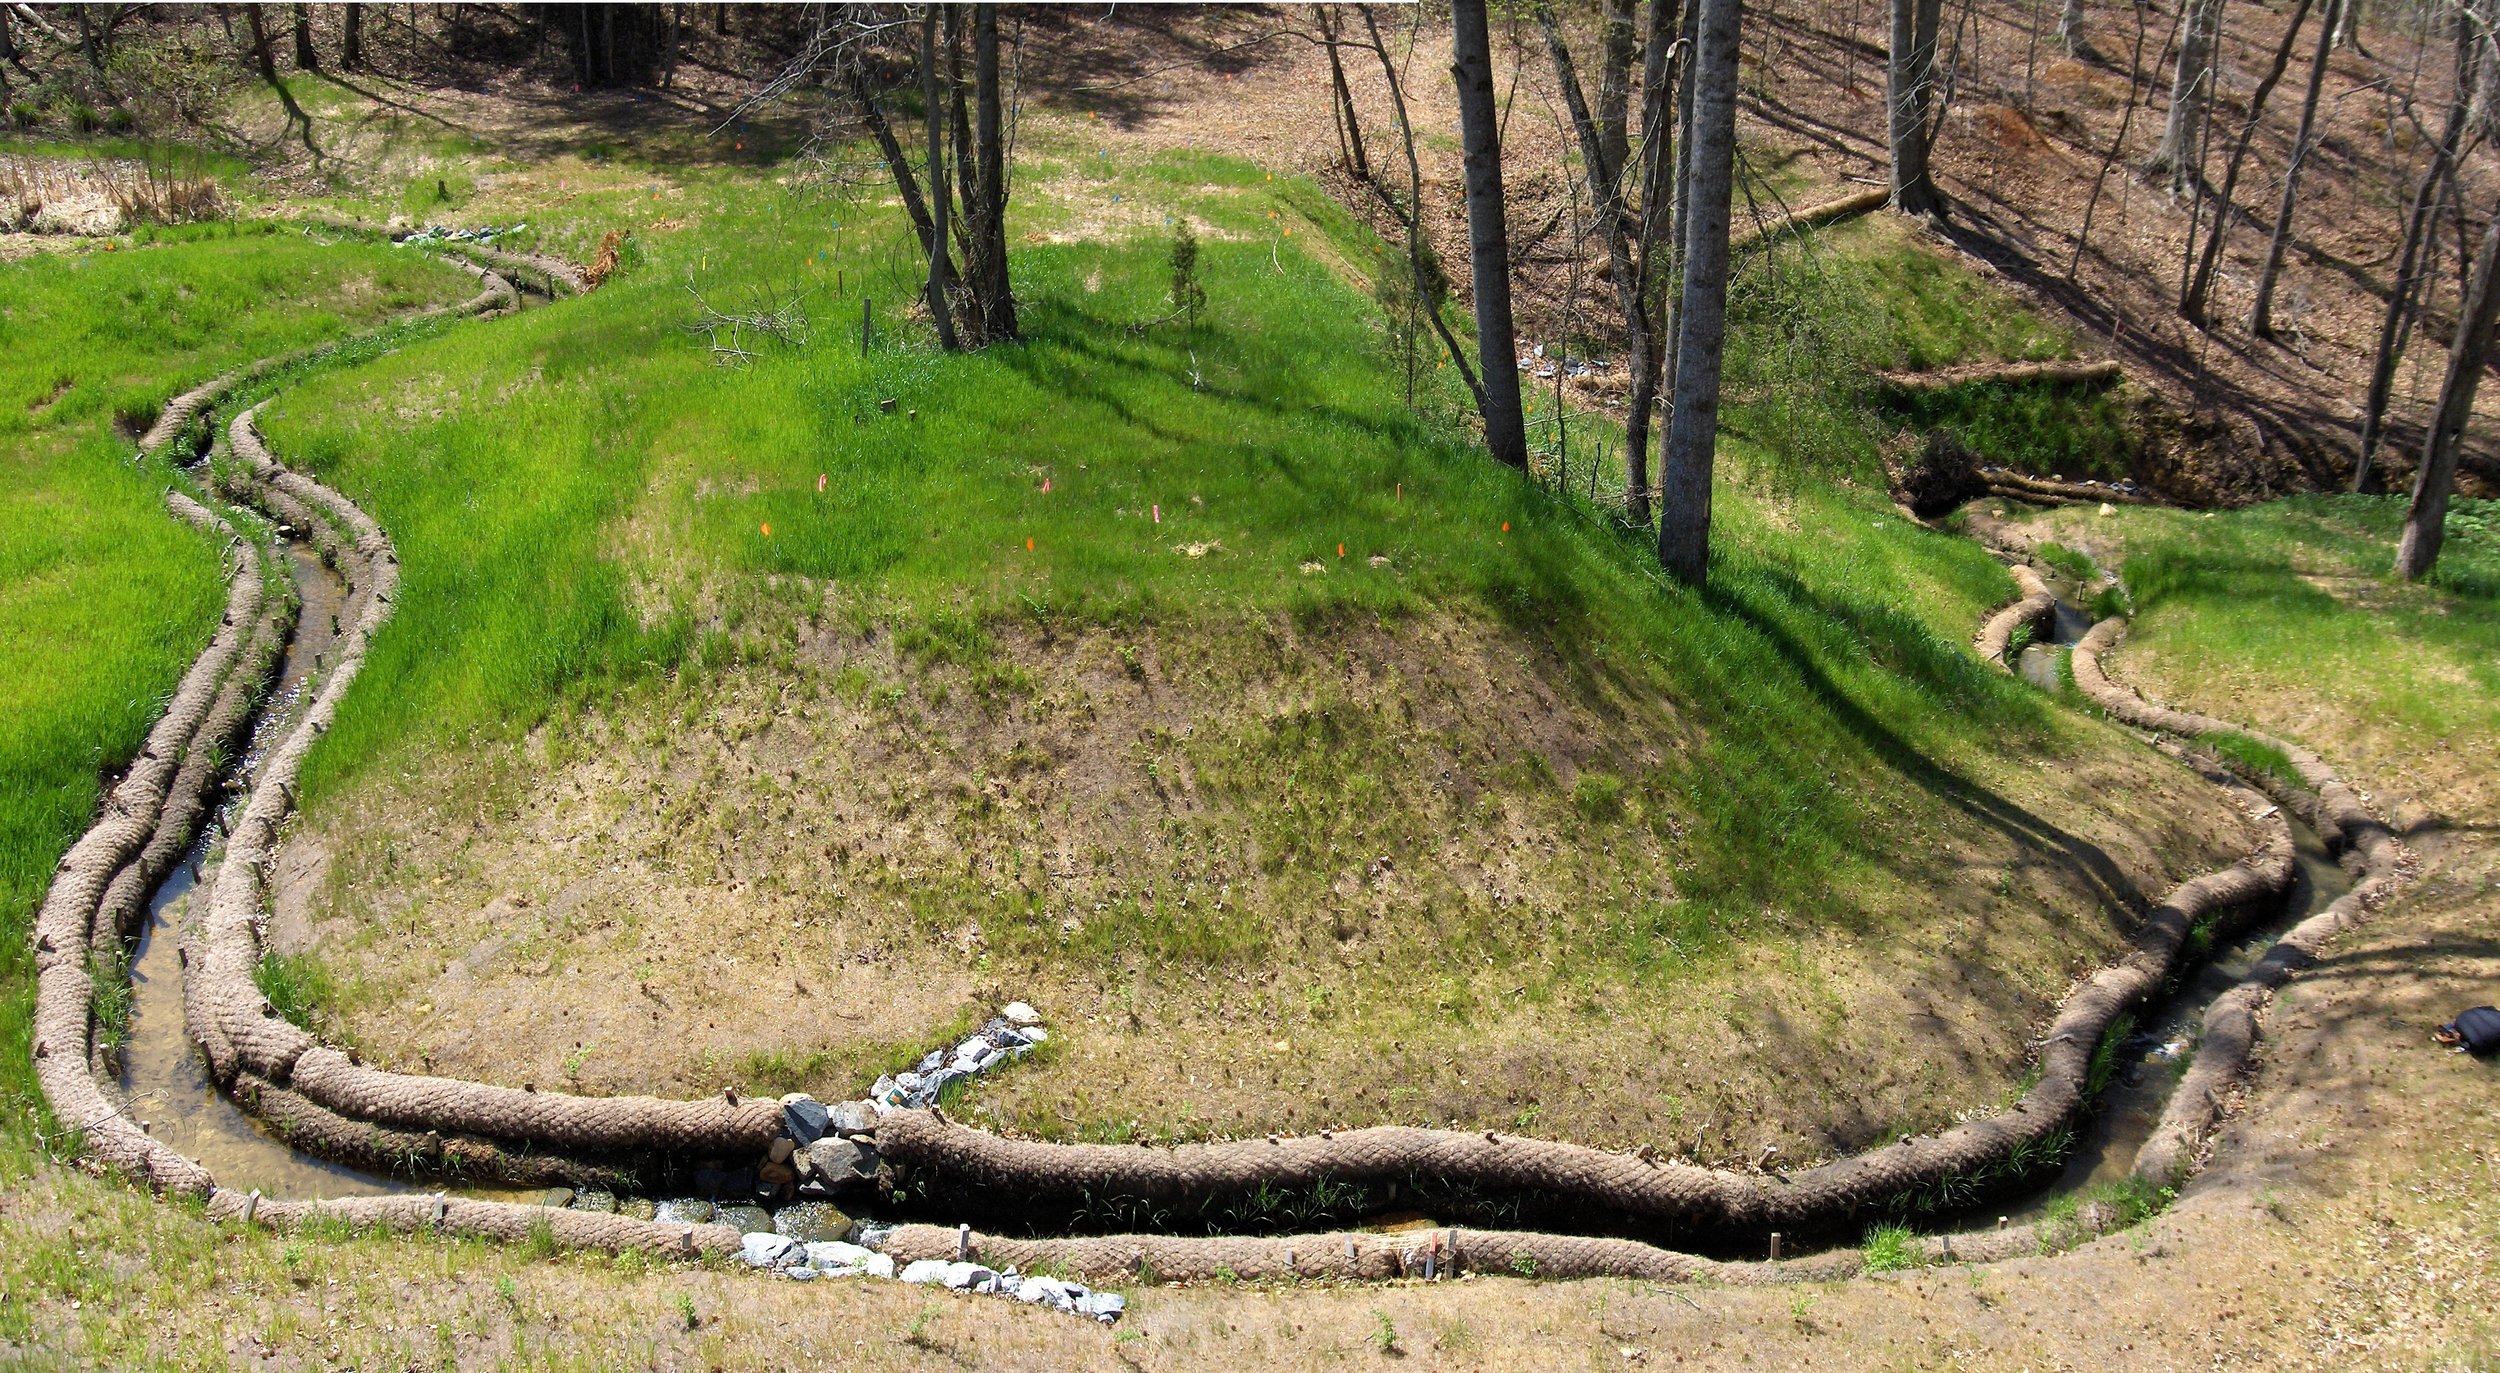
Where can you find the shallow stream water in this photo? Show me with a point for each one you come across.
(167, 1083)
(2157, 1052)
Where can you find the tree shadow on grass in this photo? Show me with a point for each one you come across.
(2026, 828)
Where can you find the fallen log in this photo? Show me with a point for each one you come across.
(1982, 373)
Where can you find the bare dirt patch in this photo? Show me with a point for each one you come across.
(1263, 877)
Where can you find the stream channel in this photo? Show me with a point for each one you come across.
(168, 1086)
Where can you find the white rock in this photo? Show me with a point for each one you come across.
(923, 1270)
(1018, 1013)
(835, 1254)
(1051, 1290)
(802, 1273)
(1034, 1034)
(1102, 1306)
(968, 1276)
(879, 1265)
(763, 1249)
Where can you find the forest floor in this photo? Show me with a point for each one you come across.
(2020, 155)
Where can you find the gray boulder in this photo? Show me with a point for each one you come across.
(806, 1119)
(837, 1161)
(854, 1118)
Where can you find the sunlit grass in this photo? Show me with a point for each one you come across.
(2295, 596)
(104, 598)
(584, 501)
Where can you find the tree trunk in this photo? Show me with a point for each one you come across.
(2484, 16)
(991, 287)
(87, 42)
(352, 41)
(2426, 520)
(262, 60)
(1349, 126)
(2070, 29)
(967, 192)
(2192, 302)
(1693, 430)
(1608, 187)
(941, 283)
(2182, 135)
(1683, 194)
(305, 58)
(2409, 272)
(1488, 235)
(890, 147)
(1659, 69)
(2261, 315)
(1909, 90)
(1427, 288)
(1614, 82)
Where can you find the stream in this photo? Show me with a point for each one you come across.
(168, 1087)
(164, 1077)
(2154, 1055)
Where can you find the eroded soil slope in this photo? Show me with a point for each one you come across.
(1266, 877)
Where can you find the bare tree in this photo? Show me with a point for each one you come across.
(2426, 519)
(1614, 81)
(1488, 235)
(1341, 96)
(305, 58)
(1629, 240)
(941, 264)
(1693, 429)
(1430, 283)
(2409, 268)
(2200, 288)
(1662, 62)
(352, 37)
(2118, 145)
(1909, 94)
(2191, 85)
(2483, 20)
(986, 248)
(2261, 315)
(2070, 29)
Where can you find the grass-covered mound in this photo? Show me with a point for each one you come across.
(104, 598)
(747, 724)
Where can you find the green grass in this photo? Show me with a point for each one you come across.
(2065, 429)
(297, 987)
(105, 597)
(2256, 759)
(1887, 1248)
(2073, 562)
(2294, 597)
(587, 512)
